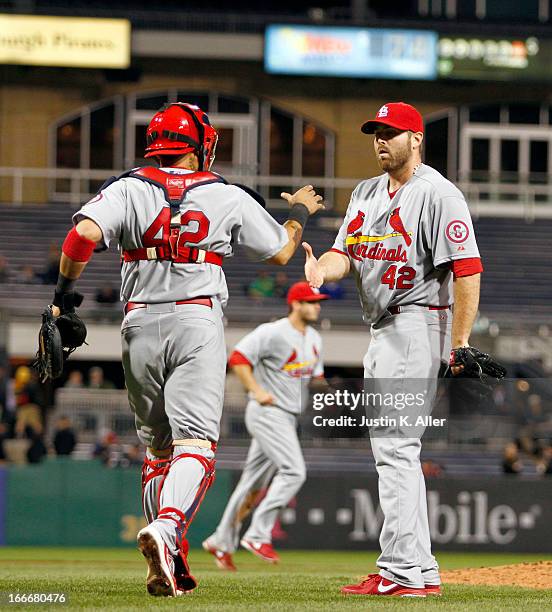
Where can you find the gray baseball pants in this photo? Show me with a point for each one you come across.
(174, 359)
(408, 347)
(274, 453)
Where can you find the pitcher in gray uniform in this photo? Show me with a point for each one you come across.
(408, 238)
(275, 363)
(175, 225)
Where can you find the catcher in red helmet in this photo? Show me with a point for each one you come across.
(181, 128)
(174, 226)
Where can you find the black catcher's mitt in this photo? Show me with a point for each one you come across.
(475, 364)
(57, 339)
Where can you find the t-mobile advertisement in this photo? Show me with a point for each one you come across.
(340, 512)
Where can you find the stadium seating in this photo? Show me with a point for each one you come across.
(515, 253)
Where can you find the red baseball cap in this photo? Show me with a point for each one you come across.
(303, 292)
(398, 115)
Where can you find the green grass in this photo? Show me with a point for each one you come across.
(113, 579)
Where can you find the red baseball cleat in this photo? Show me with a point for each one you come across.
(433, 589)
(264, 551)
(222, 559)
(374, 584)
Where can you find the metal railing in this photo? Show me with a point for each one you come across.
(95, 412)
(19, 185)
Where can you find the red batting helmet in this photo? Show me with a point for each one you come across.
(182, 128)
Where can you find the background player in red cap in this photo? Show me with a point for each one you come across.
(275, 363)
(409, 241)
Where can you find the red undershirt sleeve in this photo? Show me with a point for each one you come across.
(237, 358)
(466, 267)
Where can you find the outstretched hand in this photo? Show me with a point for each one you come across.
(313, 270)
(306, 196)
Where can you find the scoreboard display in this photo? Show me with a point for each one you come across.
(404, 54)
(495, 59)
(351, 52)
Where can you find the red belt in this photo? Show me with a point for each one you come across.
(183, 255)
(394, 310)
(200, 301)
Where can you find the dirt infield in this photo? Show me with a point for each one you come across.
(531, 575)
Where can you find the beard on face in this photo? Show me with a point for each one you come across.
(398, 159)
(310, 315)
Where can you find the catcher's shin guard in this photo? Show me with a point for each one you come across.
(154, 469)
(184, 579)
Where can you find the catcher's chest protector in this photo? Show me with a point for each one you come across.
(174, 186)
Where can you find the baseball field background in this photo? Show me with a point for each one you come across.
(79, 82)
(100, 578)
(69, 505)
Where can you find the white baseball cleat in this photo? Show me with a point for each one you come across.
(160, 580)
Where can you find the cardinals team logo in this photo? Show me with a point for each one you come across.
(383, 112)
(297, 369)
(361, 247)
(457, 231)
(356, 224)
(396, 223)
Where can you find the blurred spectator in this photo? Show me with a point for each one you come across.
(533, 421)
(27, 276)
(3, 391)
(133, 456)
(534, 414)
(262, 286)
(28, 413)
(96, 379)
(334, 289)
(4, 270)
(37, 449)
(7, 400)
(74, 380)
(547, 461)
(431, 469)
(511, 463)
(65, 439)
(107, 295)
(500, 403)
(49, 275)
(4, 435)
(281, 285)
(107, 449)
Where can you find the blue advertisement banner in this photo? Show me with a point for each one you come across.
(351, 52)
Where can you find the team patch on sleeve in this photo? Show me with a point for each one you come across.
(457, 231)
(96, 198)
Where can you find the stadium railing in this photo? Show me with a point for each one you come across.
(95, 412)
(490, 198)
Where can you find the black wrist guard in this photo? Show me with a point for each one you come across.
(64, 284)
(299, 213)
(67, 302)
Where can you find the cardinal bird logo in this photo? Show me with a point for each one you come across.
(356, 224)
(292, 357)
(396, 223)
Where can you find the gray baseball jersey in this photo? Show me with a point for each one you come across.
(399, 247)
(131, 211)
(284, 360)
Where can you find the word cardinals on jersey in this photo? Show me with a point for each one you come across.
(364, 247)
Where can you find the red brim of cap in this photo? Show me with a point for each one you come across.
(316, 298)
(310, 298)
(370, 126)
